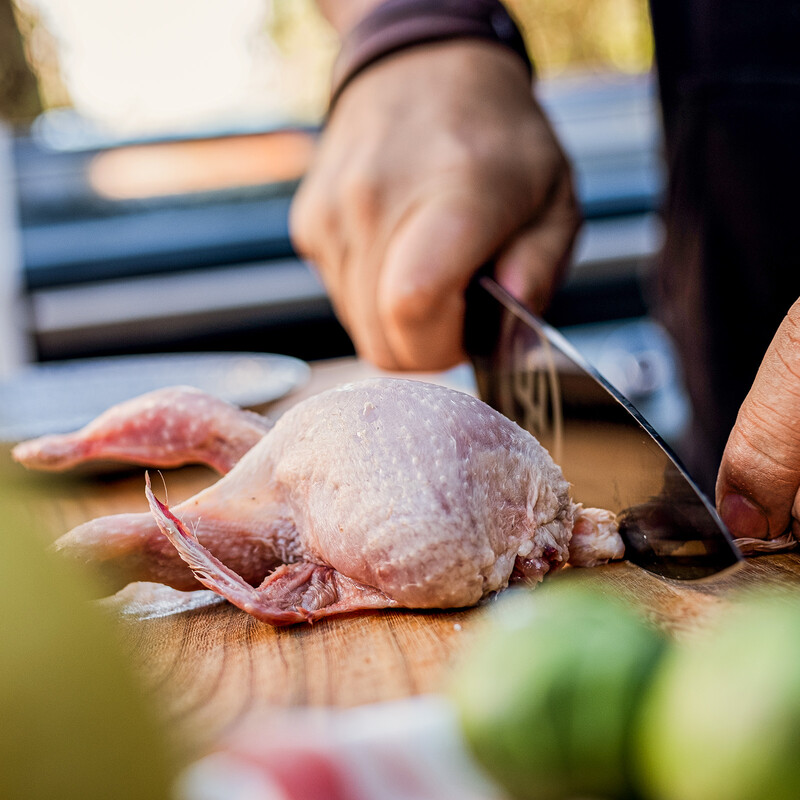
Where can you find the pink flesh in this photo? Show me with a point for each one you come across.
(164, 428)
(131, 547)
(594, 538)
(533, 570)
(300, 592)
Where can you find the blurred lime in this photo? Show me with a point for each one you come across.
(73, 723)
(722, 718)
(546, 697)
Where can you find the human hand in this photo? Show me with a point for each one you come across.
(758, 487)
(434, 162)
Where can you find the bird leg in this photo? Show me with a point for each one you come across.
(595, 538)
(165, 428)
(130, 547)
(298, 592)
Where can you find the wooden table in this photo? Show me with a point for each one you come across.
(209, 665)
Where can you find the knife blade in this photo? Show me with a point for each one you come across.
(611, 455)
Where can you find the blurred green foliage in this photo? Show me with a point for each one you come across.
(576, 35)
(19, 93)
(563, 36)
(74, 721)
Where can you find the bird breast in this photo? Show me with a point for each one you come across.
(427, 494)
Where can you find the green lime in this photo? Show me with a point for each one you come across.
(721, 720)
(547, 695)
(74, 724)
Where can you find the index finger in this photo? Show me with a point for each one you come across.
(427, 267)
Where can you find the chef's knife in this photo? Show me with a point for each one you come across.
(527, 370)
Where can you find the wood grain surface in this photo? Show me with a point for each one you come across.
(208, 665)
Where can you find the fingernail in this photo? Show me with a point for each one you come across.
(743, 517)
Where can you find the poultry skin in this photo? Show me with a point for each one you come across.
(382, 493)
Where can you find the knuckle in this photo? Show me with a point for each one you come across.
(793, 317)
(298, 228)
(786, 350)
(361, 197)
(305, 214)
(763, 448)
(315, 229)
(460, 156)
(455, 161)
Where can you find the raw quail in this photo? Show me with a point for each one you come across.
(378, 494)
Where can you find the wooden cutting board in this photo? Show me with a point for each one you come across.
(208, 664)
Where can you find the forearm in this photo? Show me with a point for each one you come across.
(344, 14)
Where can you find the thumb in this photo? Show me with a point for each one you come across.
(759, 475)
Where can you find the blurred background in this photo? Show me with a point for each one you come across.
(151, 150)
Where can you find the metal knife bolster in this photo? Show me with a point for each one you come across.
(610, 454)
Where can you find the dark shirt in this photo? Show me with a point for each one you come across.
(729, 73)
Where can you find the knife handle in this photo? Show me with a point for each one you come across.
(482, 316)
